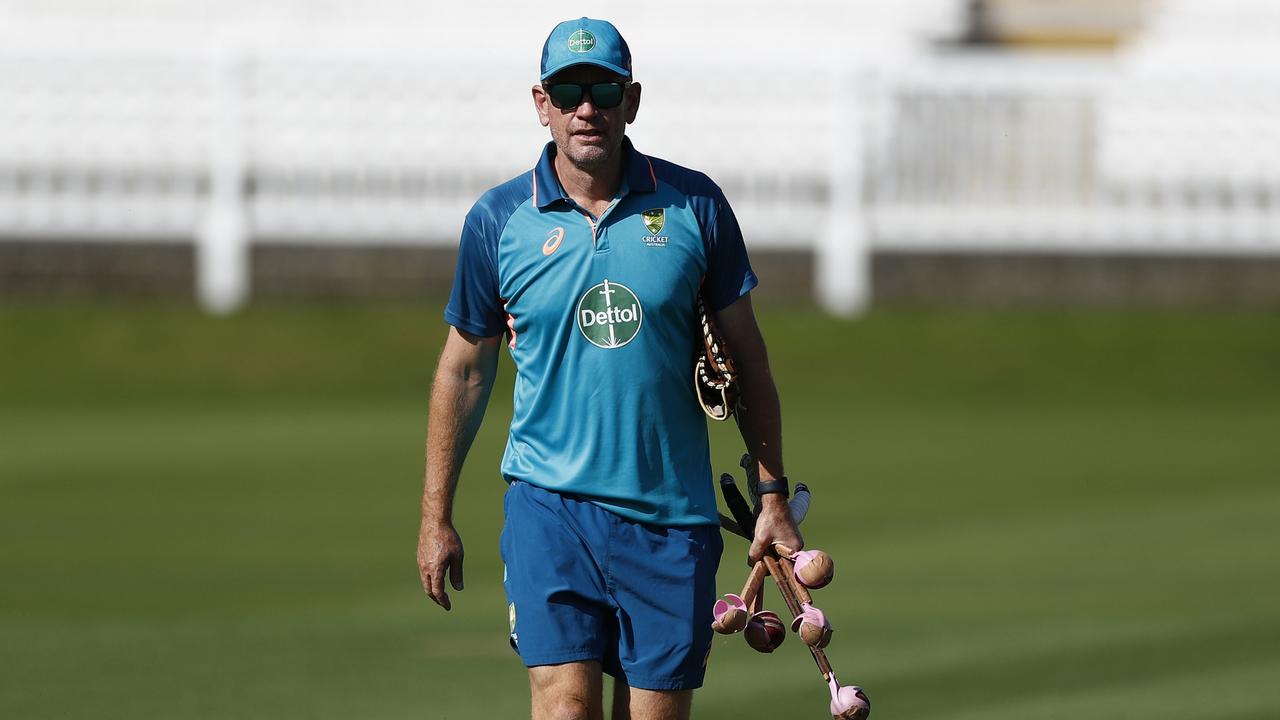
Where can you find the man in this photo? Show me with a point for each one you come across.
(590, 265)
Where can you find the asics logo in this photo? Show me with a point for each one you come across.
(554, 237)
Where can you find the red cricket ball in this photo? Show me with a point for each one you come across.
(765, 631)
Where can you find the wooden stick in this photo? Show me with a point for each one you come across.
(758, 571)
(784, 587)
(802, 592)
(824, 665)
(787, 587)
(755, 583)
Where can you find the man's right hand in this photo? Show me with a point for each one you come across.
(439, 549)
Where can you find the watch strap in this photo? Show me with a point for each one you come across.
(766, 487)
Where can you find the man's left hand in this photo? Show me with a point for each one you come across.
(774, 526)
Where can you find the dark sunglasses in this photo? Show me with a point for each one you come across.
(604, 95)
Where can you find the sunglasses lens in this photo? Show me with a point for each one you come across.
(606, 95)
(603, 95)
(565, 95)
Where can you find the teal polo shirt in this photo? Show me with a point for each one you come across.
(601, 320)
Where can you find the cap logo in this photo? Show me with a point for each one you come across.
(581, 41)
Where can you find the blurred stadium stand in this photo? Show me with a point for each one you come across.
(325, 147)
(1050, 23)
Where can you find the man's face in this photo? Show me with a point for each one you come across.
(586, 135)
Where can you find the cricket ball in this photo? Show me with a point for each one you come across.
(814, 568)
(730, 615)
(765, 631)
(815, 636)
(850, 703)
(812, 626)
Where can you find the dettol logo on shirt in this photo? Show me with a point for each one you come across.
(609, 315)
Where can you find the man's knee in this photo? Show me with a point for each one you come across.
(570, 708)
(566, 692)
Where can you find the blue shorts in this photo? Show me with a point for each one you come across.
(585, 584)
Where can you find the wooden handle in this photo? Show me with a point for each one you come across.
(802, 592)
(791, 592)
(755, 582)
(820, 657)
(784, 586)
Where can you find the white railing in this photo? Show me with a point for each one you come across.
(1103, 163)
(944, 152)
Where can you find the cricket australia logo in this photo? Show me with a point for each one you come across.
(581, 41)
(609, 315)
(654, 220)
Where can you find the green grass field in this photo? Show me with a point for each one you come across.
(1035, 514)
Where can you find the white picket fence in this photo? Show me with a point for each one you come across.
(230, 144)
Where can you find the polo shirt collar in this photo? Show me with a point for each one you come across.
(637, 175)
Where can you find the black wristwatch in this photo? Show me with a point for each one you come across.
(774, 486)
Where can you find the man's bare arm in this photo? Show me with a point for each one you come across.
(459, 393)
(760, 422)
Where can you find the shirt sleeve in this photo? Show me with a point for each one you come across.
(475, 305)
(729, 273)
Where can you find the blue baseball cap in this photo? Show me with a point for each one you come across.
(585, 42)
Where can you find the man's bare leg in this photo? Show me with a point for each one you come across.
(572, 691)
(635, 704)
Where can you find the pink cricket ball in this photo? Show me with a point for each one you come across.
(730, 615)
(850, 703)
(814, 568)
